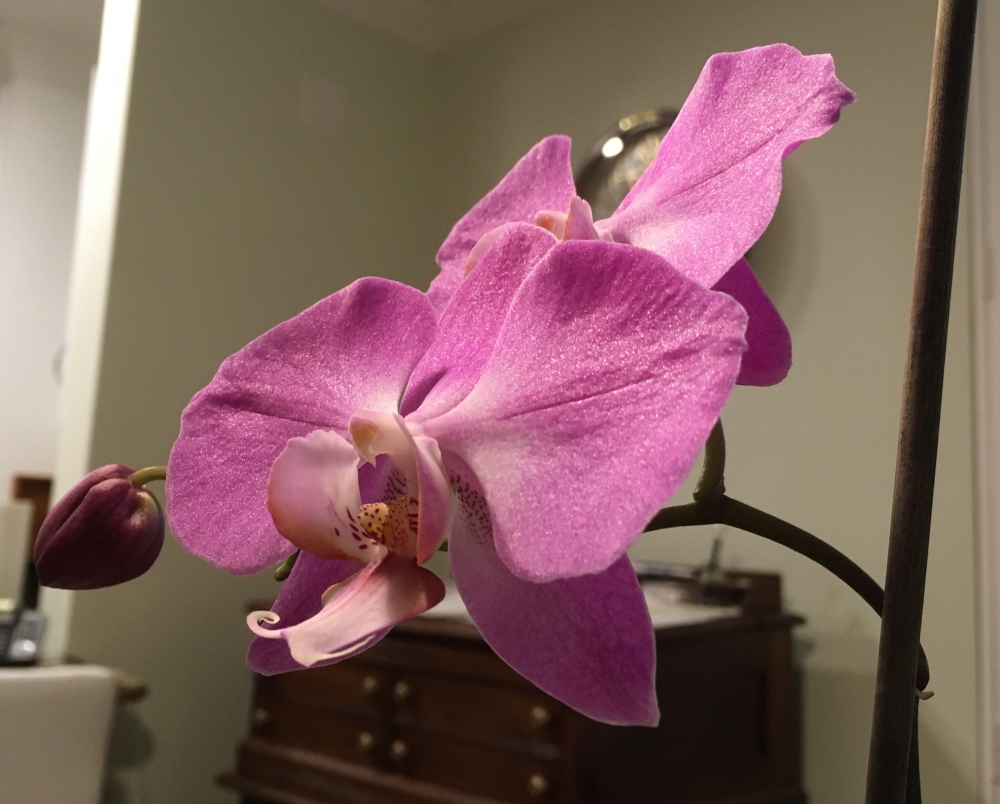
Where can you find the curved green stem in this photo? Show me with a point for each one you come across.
(727, 511)
(740, 515)
(147, 475)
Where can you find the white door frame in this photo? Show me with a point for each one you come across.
(983, 196)
(96, 215)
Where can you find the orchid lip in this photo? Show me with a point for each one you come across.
(355, 612)
(314, 494)
(254, 620)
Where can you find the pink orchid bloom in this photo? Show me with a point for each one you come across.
(706, 198)
(537, 407)
(557, 403)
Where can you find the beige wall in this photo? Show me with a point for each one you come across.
(234, 217)
(819, 449)
(43, 103)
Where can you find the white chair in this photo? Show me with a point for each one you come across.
(54, 729)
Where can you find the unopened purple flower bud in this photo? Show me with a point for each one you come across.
(103, 532)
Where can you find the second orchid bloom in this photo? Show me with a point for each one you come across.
(536, 407)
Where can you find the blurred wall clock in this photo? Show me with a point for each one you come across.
(619, 158)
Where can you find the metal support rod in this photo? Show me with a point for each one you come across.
(909, 533)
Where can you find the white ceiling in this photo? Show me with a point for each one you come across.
(434, 24)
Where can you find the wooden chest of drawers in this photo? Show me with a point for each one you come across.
(432, 715)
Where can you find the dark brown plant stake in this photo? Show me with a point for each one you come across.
(909, 534)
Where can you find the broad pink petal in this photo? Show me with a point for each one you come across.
(769, 344)
(714, 184)
(587, 641)
(353, 350)
(357, 615)
(542, 179)
(608, 374)
(300, 599)
(314, 498)
(468, 328)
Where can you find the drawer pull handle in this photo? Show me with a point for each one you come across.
(261, 717)
(399, 751)
(401, 691)
(538, 785)
(369, 685)
(540, 717)
(366, 742)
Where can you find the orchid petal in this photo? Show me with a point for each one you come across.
(358, 613)
(483, 245)
(353, 350)
(299, 600)
(580, 221)
(542, 179)
(434, 495)
(467, 330)
(769, 344)
(314, 498)
(607, 376)
(586, 641)
(714, 184)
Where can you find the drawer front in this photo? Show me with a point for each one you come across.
(361, 739)
(352, 685)
(487, 711)
(507, 776)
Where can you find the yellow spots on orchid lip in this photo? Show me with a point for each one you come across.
(392, 524)
(399, 534)
(372, 518)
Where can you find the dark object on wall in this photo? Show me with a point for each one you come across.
(619, 158)
(432, 715)
(37, 491)
(23, 628)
